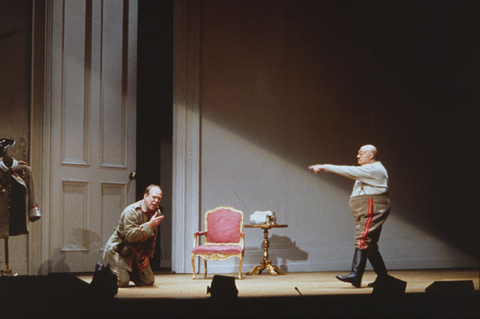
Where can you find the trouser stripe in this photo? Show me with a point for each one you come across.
(118, 277)
(367, 223)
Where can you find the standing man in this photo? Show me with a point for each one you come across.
(370, 206)
(132, 244)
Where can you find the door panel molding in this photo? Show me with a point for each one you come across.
(114, 198)
(113, 104)
(85, 159)
(75, 194)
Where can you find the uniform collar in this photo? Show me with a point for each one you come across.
(143, 207)
(5, 168)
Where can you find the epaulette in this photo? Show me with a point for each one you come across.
(23, 163)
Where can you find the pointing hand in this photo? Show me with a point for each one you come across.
(317, 168)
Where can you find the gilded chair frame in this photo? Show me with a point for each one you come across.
(219, 256)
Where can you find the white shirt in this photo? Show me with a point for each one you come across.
(370, 179)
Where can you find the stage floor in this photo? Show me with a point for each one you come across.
(178, 286)
(294, 295)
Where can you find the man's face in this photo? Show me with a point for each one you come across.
(153, 199)
(364, 156)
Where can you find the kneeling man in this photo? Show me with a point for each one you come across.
(129, 249)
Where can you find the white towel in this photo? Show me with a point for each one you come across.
(260, 217)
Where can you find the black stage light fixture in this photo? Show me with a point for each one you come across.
(222, 287)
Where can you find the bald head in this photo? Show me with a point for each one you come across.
(367, 154)
(370, 148)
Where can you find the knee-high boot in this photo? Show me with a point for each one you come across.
(358, 267)
(378, 265)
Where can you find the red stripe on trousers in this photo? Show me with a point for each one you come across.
(118, 276)
(367, 224)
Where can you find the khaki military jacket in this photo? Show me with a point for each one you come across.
(18, 205)
(132, 238)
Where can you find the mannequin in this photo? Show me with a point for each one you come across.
(18, 205)
(4, 143)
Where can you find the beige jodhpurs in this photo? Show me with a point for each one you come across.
(370, 212)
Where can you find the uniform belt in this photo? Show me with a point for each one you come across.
(370, 196)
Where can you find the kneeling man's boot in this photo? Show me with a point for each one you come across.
(358, 267)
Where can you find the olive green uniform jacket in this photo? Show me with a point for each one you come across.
(132, 238)
(18, 205)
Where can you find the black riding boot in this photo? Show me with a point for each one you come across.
(378, 266)
(358, 267)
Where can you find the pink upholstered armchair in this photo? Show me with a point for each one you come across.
(224, 237)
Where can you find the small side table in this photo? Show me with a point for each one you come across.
(266, 263)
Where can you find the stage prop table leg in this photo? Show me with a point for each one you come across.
(266, 263)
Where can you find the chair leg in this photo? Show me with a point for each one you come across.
(240, 261)
(205, 264)
(193, 266)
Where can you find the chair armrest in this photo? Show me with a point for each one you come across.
(195, 236)
(200, 233)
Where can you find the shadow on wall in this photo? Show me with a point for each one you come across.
(288, 248)
(57, 262)
(281, 250)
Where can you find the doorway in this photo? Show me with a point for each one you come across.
(155, 114)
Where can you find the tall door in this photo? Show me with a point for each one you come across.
(90, 126)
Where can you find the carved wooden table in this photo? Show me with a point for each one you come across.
(266, 263)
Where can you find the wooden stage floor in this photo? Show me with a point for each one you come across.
(294, 295)
(319, 295)
(308, 284)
